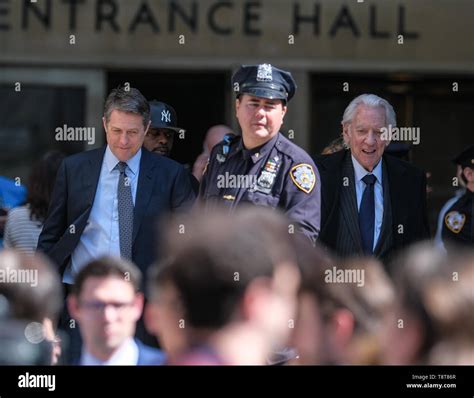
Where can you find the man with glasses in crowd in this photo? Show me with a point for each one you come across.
(107, 303)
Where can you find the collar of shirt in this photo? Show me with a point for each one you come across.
(259, 152)
(126, 354)
(133, 163)
(360, 172)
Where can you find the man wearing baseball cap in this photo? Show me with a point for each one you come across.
(160, 136)
(262, 166)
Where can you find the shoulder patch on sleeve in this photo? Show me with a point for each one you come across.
(303, 177)
(455, 221)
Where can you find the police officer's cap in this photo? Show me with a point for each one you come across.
(465, 158)
(163, 116)
(264, 81)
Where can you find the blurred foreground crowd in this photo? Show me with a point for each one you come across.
(240, 289)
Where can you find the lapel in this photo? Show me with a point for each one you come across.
(144, 190)
(90, 179)
(329, 167)
(349, 202)
(399, 195)
(387, 213)
(86, 192)
(337, 197)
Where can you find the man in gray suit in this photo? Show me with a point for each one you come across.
(372, 203)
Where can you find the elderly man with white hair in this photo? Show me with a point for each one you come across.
(372, 203)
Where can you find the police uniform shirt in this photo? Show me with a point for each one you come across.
(458, 221)
(276, 174)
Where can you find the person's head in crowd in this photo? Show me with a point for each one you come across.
(126, 121)
(362, 122)
(408, 331)
(368, 294)
(334, 146)
(244, 262)
(32, 297)
(341, 304)
(309, 337)
(107, 303)
(450, 302)
(163, 127)
(164, 313)
(465, 164)
(24, 223)
(214, 135)
(263, 92)
(41, 183)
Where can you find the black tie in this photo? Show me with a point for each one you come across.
(125, 212)
(367, 214)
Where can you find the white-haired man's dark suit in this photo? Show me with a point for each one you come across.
(404, 204)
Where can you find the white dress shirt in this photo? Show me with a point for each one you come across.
(126, 355)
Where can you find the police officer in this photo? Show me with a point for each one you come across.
(458, 224)
(162, 129)
(263, 167)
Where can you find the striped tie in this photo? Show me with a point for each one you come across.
(125, 212)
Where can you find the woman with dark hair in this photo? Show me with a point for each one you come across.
(24, 223)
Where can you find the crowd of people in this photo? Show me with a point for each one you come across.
(259, 254)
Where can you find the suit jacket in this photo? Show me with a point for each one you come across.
(147, 356)
(404, 219)
(163, 186)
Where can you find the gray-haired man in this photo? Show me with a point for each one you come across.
(372, 203)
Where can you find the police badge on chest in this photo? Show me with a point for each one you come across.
(267, 176)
